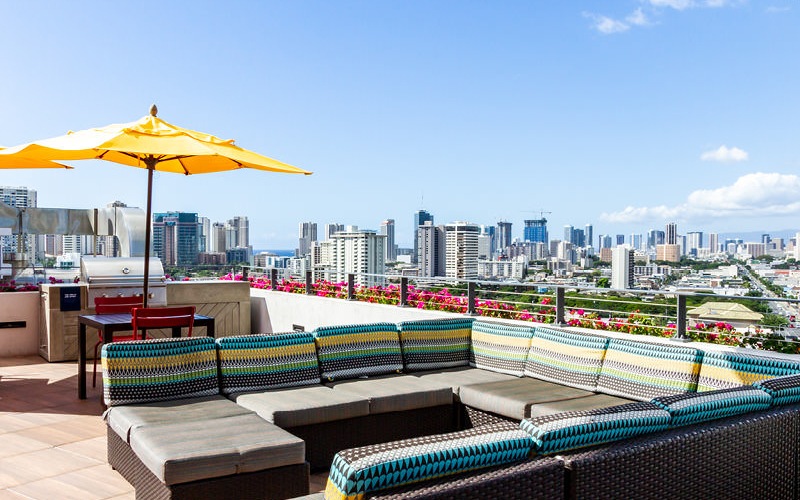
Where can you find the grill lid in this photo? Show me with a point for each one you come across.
(120, 270)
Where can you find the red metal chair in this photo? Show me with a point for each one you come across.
(112, 305)
(163, 317)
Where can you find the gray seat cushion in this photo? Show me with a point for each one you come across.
(396, 392)
(122, 419)
(459, 377)
(515, 398)
(181, 452)
(593, 402)
(307, 405)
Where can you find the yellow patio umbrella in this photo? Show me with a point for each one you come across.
(153, 144)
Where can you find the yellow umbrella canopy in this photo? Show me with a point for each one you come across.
(153, 144)
(16, 162)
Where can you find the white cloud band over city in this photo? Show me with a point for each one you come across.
(752, 195)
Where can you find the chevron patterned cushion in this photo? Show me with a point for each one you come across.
(565, 357)
(784, 390)
(355, 351)
(435, 344)
(710, 405)
(259, 362)
(576, 429)
(500, 348)
(644, 370)
(143, 371)
(359, 471)
(724, 369)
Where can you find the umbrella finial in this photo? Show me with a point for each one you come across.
(153, 110)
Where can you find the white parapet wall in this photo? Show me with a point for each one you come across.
(273, 312)
(19, 307)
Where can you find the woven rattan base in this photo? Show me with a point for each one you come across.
(744, 457)
(472, 417)
(535, 479)
(324, 440)
(278, 483)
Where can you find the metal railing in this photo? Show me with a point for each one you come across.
(646, 312)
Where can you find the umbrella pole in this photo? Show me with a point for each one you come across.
(150, 161)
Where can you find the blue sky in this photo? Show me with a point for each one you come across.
(624, 114)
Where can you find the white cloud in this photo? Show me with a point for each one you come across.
(606, 25)
(674, 4)
(725, 154)
(777, 10)
(753, 195)
(638, 18)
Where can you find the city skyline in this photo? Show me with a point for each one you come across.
(624, 115)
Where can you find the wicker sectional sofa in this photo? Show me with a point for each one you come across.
(452, 408)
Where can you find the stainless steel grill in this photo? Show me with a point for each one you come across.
(122, 276)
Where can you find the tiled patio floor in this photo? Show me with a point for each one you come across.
(52, 445)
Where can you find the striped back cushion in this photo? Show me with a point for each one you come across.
(722, 370)
(359, 471)
(435, 344)
(354, 351)
(784, 390)
(575, 429)
(568, 358)
(143, 371)
(643, 371)
(259, 362)
(709, 405)
(500, 348)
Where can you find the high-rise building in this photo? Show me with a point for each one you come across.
(578, 238)
(420, 218)
(503, 236)
(668, 253)
(694, 242)
(488, 241)
(536, 230)
(797, 247)
(359, 252)
(307, 235)
(622, 260)
(569, 234)
(604, 241)
(671, 234)
(636, 241)
(217, 238)
(237, 232)
(387, 229)
(620, 240)
(484, 246)
(431, 244)
(331, 229)
(19, 197)
(654, 238)
(713, 242)
(175, 238)
(588, 235)
(461, 250)
(204, 234)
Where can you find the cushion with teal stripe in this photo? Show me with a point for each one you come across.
(270, 361)
(645, 370)
(565, 357)
(355, 351)
(576, 429)
(435, 344)
(500, 348)
(784, 390)
(143, 371)
(358, 472)
(725, 369)
(703, 406)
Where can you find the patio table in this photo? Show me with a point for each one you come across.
(110, 323)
